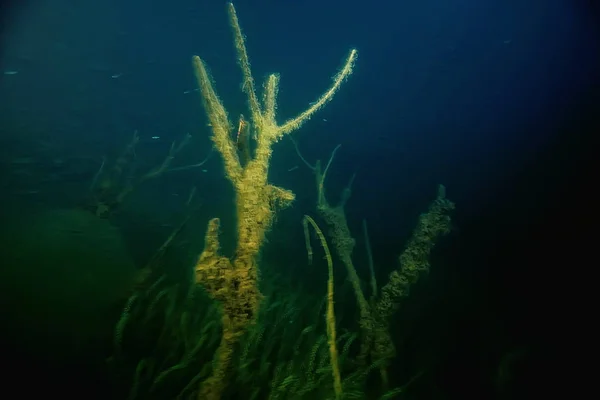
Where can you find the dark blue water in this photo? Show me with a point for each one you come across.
(494, 99)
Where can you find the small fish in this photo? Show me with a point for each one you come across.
(155, 137)
(191, 91)
(295, 167)
(11, 72)
(324, 120)
(23, 160)
(115, 76)
(204, 170)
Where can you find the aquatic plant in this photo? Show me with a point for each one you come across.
(374, 315)
(169, 332)
(270, 342)
(234, 281)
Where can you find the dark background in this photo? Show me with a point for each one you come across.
(496, 100)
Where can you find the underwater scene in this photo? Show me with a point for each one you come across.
(289, 199)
